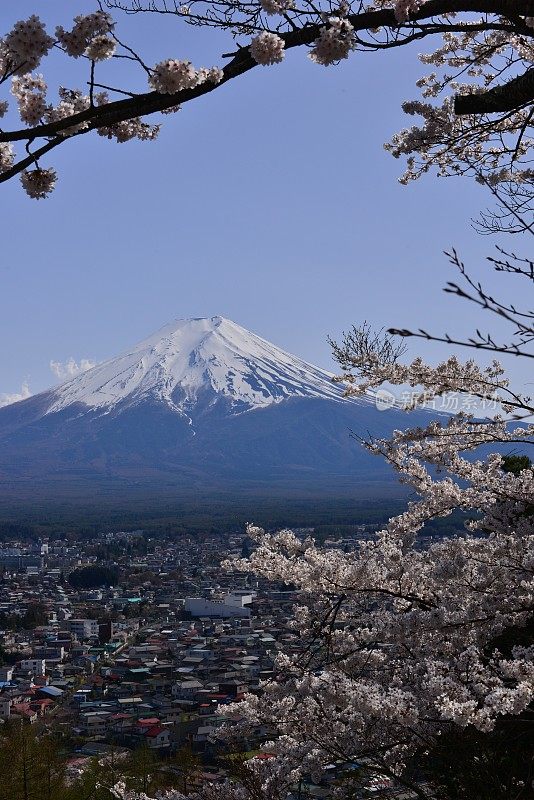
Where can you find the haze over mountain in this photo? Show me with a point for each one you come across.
(201, 405)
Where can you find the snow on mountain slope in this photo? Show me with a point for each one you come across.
(193, 358)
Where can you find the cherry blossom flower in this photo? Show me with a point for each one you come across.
(7, 156)
(72, 101)
(26, 44)
(403, 9)
(334, 43)
(100, 48)
(267, 48)
(86, 28)
(211, 75)
(128, 130)
(276, 6)
(172, 75)
(30, 93)
(38, 183)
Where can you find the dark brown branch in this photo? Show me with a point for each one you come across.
(515, 94)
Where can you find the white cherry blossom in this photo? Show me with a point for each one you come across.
(335, 42)
(276, 6)
(7, 156)
(267, 48)
(86, 29)
(100, 48)
(38, 183)
(172, 75)
(26, 44)
(30, 93)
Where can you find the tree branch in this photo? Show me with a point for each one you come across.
(31, 159)
(510, 96)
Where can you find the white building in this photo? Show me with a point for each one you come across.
(37, 666)
(239, 598)
(83, 628)
(233, 604)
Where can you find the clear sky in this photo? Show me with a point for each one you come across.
(271, 201)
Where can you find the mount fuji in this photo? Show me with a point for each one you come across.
(190, 364)
(201, 405)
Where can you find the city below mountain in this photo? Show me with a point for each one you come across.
(202, 406)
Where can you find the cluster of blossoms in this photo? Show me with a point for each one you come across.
(487, 146)
(24, 46)
(211, 75)
(451, 375)
(425, 140)
(404, 8)
(89, 35)
(403, 640)
(7, 156)
(71, 101)
(173, 75)
(38, 183)
(335, 42)
(267, 48)
(100, 48)
(130, 129)
(30, 93)
(276, 6)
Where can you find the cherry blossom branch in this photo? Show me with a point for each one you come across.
(152, 102)
(453, 143)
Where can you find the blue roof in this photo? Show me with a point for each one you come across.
(53, 691)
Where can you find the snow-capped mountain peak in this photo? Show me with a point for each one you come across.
(208, 358)
(201, 409)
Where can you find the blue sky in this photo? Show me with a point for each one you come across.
(270, 201)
